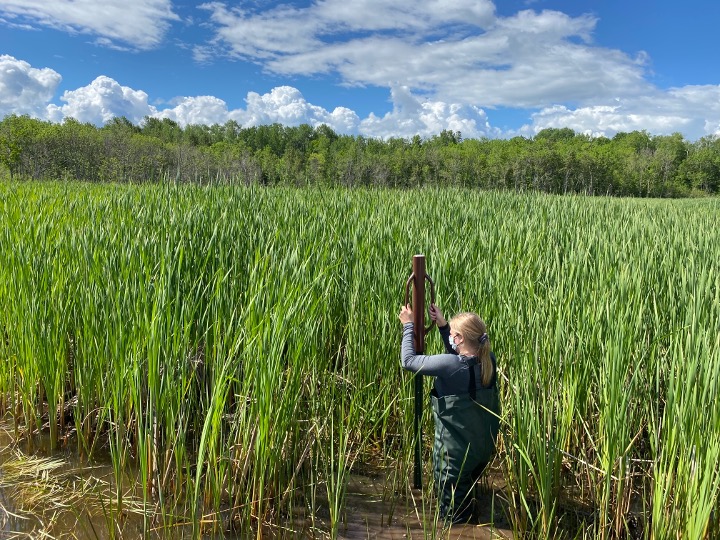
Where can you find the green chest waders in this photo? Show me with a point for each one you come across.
(466, 428)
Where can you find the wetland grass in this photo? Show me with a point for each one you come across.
(235, 349)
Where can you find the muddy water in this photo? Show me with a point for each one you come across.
(56, 496)
(368, 516)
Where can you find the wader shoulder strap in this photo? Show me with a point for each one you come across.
(472, 386)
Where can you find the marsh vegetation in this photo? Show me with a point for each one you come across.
(233, 351)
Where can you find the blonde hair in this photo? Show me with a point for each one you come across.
(474, 330)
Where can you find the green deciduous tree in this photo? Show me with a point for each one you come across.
(556, 160)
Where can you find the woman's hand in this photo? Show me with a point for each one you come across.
(437, 316)
(406, 314)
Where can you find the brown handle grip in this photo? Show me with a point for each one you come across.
(432, 299)
(407, 289)
(432, 294)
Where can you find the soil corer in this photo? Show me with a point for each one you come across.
(417, 280)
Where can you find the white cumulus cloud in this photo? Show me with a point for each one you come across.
(455, 51)
(283, 105)
(100, 101)
(137, 24)
(411, 116)
(286, 105)
(693, 111)
(207, 110)
(25, 89)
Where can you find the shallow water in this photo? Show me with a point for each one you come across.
(62, 499)
(367, 516)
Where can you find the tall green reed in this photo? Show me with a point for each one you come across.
(236, 349)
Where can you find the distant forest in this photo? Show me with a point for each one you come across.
(553, 161)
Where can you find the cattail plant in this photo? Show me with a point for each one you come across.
(234, 350)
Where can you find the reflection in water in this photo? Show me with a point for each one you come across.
(56, 496)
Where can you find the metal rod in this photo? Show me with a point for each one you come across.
(417, 279)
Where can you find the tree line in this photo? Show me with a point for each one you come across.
(553, 161)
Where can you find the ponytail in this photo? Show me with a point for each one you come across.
(474, 330)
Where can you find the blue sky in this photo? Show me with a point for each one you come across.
(376, 68)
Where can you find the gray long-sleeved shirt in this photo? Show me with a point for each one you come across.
(451, 370)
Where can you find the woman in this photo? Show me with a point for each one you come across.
(465, 405)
